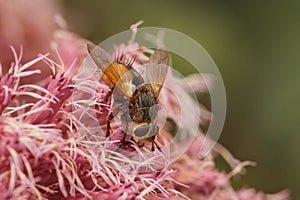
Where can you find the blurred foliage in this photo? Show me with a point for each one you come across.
(255, 45)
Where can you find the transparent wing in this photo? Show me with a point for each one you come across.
(113, 73)
(125, 84)
(99, 56)
(160, 56)
(157, 69)
(156, 75)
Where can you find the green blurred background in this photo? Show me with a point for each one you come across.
(256, 46)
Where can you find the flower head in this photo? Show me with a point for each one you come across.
(51, 146)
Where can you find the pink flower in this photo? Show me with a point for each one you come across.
(7, 83)
(200, 176)
(71, 49)
(132, 50)
(47, 152)
(45, 110)
(247, 194)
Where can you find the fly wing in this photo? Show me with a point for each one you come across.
(160, 56)
(99, 56)
(113, 73)
(156, 75)
(157, 69)
(125, 84)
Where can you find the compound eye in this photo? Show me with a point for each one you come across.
(141, 131)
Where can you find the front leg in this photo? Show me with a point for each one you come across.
(158, 147)
(109, 118)
(154, 143)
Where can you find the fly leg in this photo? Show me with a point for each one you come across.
(158, 147)
(110, 115)
(141, 145)
(123, 140)
(107, 95)
(108, 128)
(125, 120)
(154, 144)
(109, 118)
